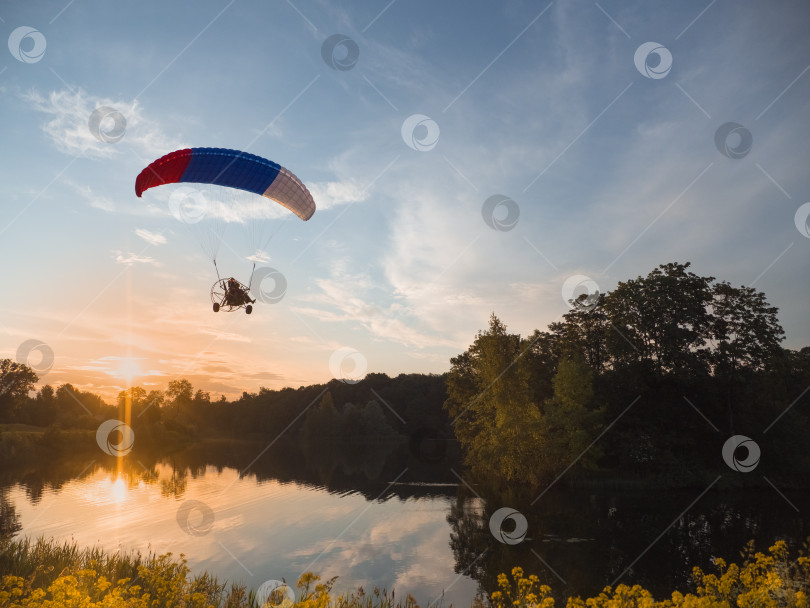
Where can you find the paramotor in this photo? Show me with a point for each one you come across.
(221, 172)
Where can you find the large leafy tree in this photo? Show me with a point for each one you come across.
(746, 334)
(661, 320)
(584, 332)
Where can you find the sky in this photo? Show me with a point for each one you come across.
(465, 158)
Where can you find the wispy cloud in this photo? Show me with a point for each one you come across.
(153, 238)
(332, 194)
(129, 258)
(356, 298)
(72, 131)
(259, 257)
(93, 199)
(224, 335)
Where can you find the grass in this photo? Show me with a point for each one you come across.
(47, 574)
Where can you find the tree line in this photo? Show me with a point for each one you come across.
(647, 380)
(377, 407)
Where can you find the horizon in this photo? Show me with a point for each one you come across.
(463, 161)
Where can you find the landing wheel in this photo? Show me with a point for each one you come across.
(216, 306)
(248, 309)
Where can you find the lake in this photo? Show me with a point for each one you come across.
(386, 516)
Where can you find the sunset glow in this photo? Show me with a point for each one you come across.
(437, 202)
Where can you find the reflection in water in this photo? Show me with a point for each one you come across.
(253, 513)
(118, 490)
(9, 518)
(579, 541)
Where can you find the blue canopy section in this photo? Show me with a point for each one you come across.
(230, 168)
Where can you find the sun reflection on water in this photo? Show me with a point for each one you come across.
(118, 490)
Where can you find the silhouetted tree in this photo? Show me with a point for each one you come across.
(16, 381)
(746, 336)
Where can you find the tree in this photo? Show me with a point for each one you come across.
(69, 404)
(372, 422)
(179, 395)
(491, 402)
(661, 320)
(43, 410)
(322, 420)
(131, 396)
(571, 421)
(180, 389)
(150, 410)
(16, 381)
(746, 335)
(584, 332)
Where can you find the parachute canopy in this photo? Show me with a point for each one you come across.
(232, 169)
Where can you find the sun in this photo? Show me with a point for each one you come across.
(128, 368)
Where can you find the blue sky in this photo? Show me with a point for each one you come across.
(612, 173)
